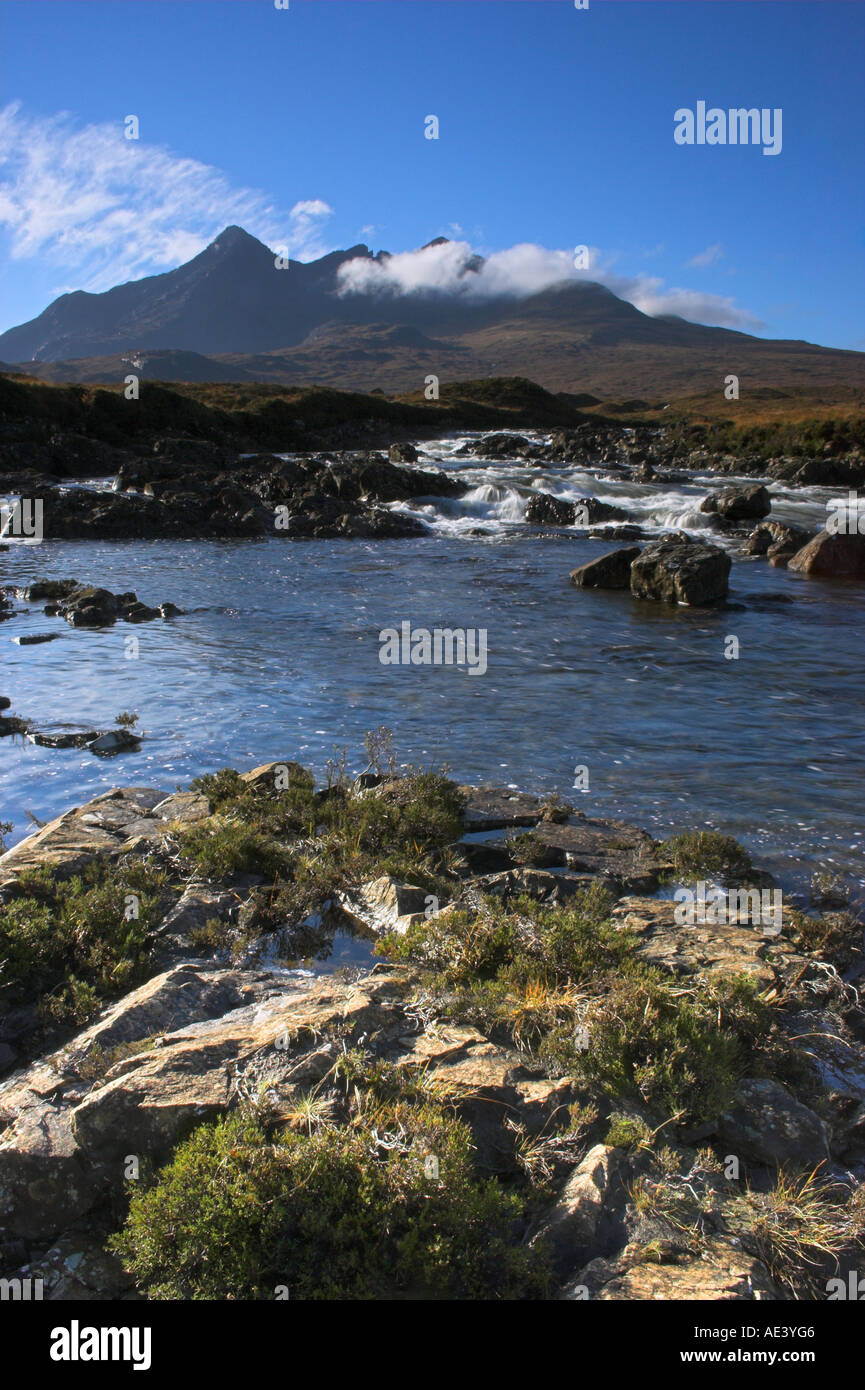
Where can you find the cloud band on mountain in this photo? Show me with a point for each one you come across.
(452, 268)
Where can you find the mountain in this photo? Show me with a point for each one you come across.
(229, 314)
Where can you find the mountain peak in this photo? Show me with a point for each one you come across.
(234, 238)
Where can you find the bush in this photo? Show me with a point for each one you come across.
(71, 941)
(342, 1213)
(706, 854)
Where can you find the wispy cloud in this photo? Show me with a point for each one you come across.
(105, 209)
(710, 256)
(529, 269)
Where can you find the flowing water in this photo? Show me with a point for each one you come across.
(277, 657)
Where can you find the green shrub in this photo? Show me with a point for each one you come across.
(72, 942)
(341, 1213)
(625, 1132)
(706, 854)
(681, 1052)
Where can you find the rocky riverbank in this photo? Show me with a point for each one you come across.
(540, 1081)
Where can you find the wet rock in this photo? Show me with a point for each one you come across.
(403, 453)
(773, 538)
(11, 724)
(831, 555)
(678, 569)
(610, 850)
(63, 740)
(612, 571)
(497, 808)
(540, 884)
(767, 1125)
(48, 589)
(739, 504)
(542, 509)
(114, 741)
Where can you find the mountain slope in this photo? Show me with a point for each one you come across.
(229, 314)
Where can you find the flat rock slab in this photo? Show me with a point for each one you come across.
(99, 828)
(611, 850)
(498, 808)
(717, 948)
(64, 1139)
(719, 1274)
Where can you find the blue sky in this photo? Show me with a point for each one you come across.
(306, 126)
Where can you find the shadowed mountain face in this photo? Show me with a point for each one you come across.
(230, 314)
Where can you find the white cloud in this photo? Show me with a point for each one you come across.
(110, 209)
(529, 269)
(710, 256)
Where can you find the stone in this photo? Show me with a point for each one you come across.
(767, 1125)
(386, 905)
(265, 777)
(572, 1229)
(403, 453)
(183, 808)
(680, 570)
(498, 808)
(739, 503)
(723, 948)
(85, 833)
(611, 571)
(831, 555)
(114, 741)
(719, 1274)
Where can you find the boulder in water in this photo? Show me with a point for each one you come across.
(739, 503)
(835, 555)
(678, 569)
(610, 571)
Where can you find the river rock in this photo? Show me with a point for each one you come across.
(403, 453)
(677, 569)
(739, 503)
(772, 539)
(611, 571)
(542, 509)
(386, 905)
(833, 555)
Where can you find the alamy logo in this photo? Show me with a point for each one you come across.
(854, 1289)
(21, 521)
(739, 126)
(706, 905)
(439, 646)
(77, 1343)
(21, 1290)
(845, 517)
